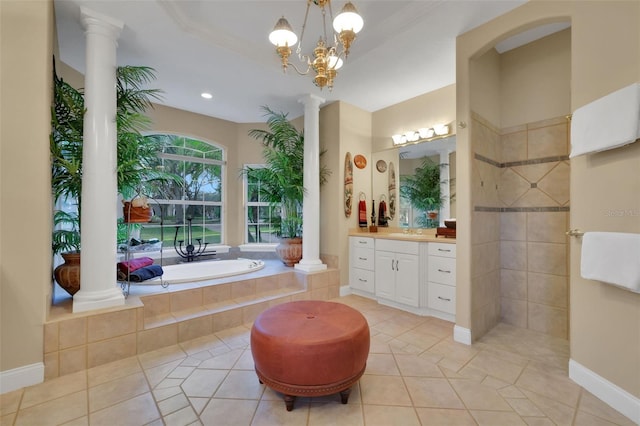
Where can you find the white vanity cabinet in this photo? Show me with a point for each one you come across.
(397, 271)
(442, 280)
(361, 266)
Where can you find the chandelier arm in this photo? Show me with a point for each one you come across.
(298, 71)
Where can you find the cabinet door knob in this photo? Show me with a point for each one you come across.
(444, 298)
(392, 265)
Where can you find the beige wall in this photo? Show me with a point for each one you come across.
(25, 179)
(605, 56)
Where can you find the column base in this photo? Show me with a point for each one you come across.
(88, 301)
(310, 265)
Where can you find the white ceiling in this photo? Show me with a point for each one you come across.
(407, 48)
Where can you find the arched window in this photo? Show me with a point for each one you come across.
(197, 200)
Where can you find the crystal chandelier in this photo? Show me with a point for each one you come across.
(329, 54)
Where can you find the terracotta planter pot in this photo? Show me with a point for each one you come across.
(67, 275)
(290, 250)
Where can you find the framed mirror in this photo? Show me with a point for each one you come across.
(405, 159)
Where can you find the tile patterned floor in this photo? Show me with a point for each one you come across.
(416, 375)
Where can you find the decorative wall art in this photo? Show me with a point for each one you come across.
(392, 190)
(381, 166)
(348, 185)
(360, 161)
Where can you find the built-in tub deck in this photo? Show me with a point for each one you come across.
(154, 317)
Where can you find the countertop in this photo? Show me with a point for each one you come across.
(419, 235)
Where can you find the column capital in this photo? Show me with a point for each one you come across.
(311, 100)
(99, 23)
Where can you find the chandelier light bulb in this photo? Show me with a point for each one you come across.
(335, 63)
(282, 34)
(348, 20)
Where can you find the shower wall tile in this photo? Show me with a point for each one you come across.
(513, 226)
(556, 183)
(485, 227)
(485, 258)
(513, 255)
(112, 324)
(514, 146)
(512, 186)
(548, 289)
(534, 172)
(547, 141)
(547, 258)
(534, 198)
(548, 320)
(549, 227)
(547, 122)
(513, 284)
(514, 312)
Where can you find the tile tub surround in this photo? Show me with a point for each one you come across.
(416, 374)
(75, 342)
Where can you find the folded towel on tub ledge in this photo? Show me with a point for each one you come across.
(134, 264)
(613, 258)
(145, 273)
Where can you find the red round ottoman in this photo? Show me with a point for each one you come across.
(310, 348)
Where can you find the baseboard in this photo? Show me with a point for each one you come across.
(619, 399)
(462, 335)
(21, 377)
(345, 290)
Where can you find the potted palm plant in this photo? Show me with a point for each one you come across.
(135, 153)
(422, 190)
(282, 179)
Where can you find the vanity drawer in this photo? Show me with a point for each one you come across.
(363, 258)
(442, 298)
(362, 279)
(365, 242)
(442, 270)
(442, 249)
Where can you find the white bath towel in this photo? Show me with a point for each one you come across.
(613, 258)
(609, 122)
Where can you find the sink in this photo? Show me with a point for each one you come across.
(403, 235)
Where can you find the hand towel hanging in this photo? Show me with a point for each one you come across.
(382, 214)
(362, 211)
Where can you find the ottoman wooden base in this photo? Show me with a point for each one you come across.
(310, 348)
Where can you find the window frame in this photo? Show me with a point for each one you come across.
(257, 245)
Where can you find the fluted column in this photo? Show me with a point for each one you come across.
(311, 208)
(98, 286)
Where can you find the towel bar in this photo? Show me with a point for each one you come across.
(574, 233)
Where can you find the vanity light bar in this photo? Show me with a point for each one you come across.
(421, 134)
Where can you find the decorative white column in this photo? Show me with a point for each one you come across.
(445, 193)
(98, 286)
(311, 208)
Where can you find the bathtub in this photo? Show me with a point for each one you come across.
(205, 270)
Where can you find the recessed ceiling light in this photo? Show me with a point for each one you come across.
(206, 95)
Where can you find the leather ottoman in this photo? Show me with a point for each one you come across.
(310, 348)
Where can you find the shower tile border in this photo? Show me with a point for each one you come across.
(494, 163)
(522, 209)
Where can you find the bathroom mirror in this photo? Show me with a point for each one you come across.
(405, 159)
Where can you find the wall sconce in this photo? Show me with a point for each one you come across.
(425, 133)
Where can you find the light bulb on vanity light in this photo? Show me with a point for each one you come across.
(441, 129)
